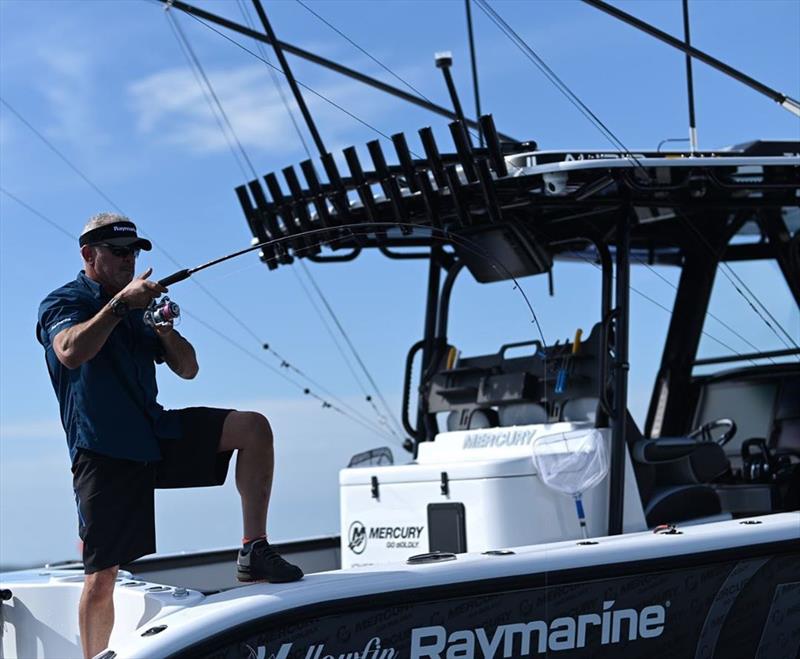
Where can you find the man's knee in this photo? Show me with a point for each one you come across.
(246, 429)
(99, 586)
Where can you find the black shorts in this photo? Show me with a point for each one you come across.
(116, 512)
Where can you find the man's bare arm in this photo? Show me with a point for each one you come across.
(78, 344)
(178, 352)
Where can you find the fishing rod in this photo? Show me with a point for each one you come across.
(444, 236)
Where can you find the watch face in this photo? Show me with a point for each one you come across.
(119, 308)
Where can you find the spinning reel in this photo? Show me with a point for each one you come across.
(160, 313)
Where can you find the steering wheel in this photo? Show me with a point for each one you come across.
(704, 432)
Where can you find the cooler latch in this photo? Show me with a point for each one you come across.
(445, 486)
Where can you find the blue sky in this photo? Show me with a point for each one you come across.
(107, 84)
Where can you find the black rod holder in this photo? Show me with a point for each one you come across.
(299, 198)
(340, 200)
(261, 202)
(389, 184)
(487, 187)
(430, 198)
(489, 132)
(432, 153)
(454, 184)
(253, 216)
(404, 158)
(319, 201)
(464, 150)
(284, 210)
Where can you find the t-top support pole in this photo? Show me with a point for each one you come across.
(619, 449)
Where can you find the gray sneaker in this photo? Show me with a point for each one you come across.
(258, 561)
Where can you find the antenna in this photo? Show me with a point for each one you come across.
(689, 80)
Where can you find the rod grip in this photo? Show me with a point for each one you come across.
(175, 277)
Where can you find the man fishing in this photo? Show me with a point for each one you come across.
(102, 356)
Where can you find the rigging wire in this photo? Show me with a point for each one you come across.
(477, 135)
(301, 84)
(730, 274)
(533, 57)
(275, 81)
(353, 350)
(60, 155)
(325, 404)
(307, 272)
(166, 254)
(196, 62)
(192, 62)
(657, 303)
(373, 58)
(330, 331)
(732, 330)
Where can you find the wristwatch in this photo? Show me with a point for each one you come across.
(119, 307)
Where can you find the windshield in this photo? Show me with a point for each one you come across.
(751, 310)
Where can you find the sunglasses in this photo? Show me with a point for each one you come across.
(121, 252)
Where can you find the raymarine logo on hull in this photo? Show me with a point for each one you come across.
(539, 637)
(357, 538)
(478, 440)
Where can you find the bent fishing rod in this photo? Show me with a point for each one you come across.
(443, 235)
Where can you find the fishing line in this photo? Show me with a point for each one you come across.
(445, 238)
(354, 44)
(325, 404)
(308, 274)
(352, 348)
(275, 80)
(725, 268)
(303, 85)
(362, 420)
(161, 250)
(331, 333)
(208, 93)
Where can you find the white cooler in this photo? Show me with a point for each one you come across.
(473, 490)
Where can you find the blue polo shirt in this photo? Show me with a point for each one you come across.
(108, 404)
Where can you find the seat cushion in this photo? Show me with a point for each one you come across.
(522, 414)
(677, 503)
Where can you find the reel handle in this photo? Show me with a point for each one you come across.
(175, 277)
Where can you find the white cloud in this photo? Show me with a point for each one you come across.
(31, 429)
(171, 104)
(68, 84)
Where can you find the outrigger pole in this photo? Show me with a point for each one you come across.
(689, 80)
(204, 15)
(298, 97)
(786, 102)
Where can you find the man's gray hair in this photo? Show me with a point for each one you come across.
(101, 219)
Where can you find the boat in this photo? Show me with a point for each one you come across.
(533, 517)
